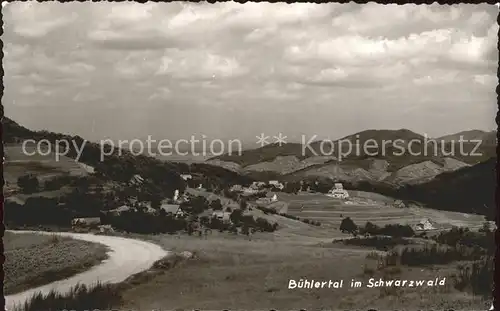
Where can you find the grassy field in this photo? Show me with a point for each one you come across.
(35, 259)
(18, 163)
(240, 273)
(370, 207)
(231, 272)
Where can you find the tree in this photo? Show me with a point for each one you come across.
(28, 183)
(292, 187)
(347, 225)
(370, 228)
(236, 216)
(156, 203)
(486, 228)
(216, 205)
(243, 204)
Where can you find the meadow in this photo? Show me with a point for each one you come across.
(35, 259)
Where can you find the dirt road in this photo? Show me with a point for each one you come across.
(126, 257)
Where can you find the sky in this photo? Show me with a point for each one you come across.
(229, 70)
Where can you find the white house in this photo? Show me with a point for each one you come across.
(257, 184)
(176, 195)
(119, 210)
(249, 190)
(272, 197)
(399, 204)
(222, 215)
(106, 229)
(269, 198)
(173, 209)
(424, 224)
(236, 188)
(186, 176)
(86, 222)
(338, 192)
(276, 184)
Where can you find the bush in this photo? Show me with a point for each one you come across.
(476, 277)
(460, 236)
(147, 223)
(38, 211)
(347, 225)
(28, 183)
(80, 297)
(394, 230)
(58, 182)
(380, 243)
(431, 255)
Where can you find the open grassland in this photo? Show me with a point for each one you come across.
(18, 163)
(35, 259)
(231, 272)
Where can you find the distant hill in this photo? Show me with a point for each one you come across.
(294, 161)
(121, 165)
(384, 135)
(487, 137)
(468, 190)
(269, 152)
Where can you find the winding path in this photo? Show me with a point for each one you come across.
(126, 257)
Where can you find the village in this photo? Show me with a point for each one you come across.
(259, 194)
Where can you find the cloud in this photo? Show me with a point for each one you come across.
(111, 58)
(37, 20)
(199, 65)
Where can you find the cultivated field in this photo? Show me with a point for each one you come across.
(240, 273)
(18, 163)
(36, 259)
(364, 207)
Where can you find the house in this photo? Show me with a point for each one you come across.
(124, 208)
(186, 176)
(338, 192)
(176, 195)
(173, 209)
(399, 204)
(132, 200)
(424, 224)
(256, 185)
(236, 188)
(85, 222)
(250, 191)
(222, 215)
(117, 211)
(106, 229)
(272, 197)
(269, 198)
(276, 184)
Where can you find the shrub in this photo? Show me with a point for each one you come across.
(380, 243)
(394, 230)
(476, 277)
(368, 270)
(462, 236)
(347, 225)
(80, 297)
(431, 255)
(28, 183)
